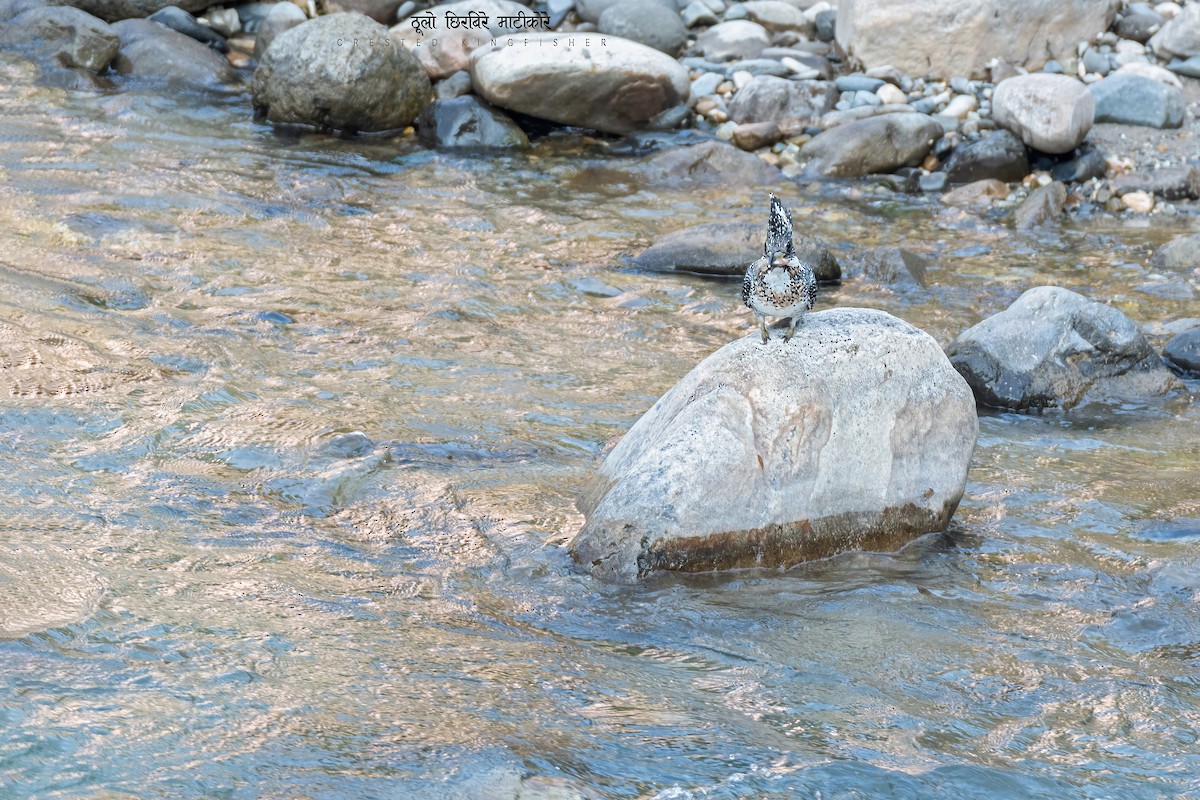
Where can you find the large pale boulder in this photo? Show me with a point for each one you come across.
(1051, 113)
(444, 50)
(616, 87)
(875, 144)
(934, 37)
(856, 434)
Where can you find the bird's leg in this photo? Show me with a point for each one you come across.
(762, 326)
(791, 329)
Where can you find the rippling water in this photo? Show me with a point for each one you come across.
(290, 431)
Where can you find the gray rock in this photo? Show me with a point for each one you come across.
(179, 20)
(252, 14)
(224, 21)
(1052, 67)
(1053, 348)
(1135, 100)
(696, 14)
(732, 40)
(1189, 67)
(645, 21)
(468, 123)
(283, 17)
(340, 72)
(932, 182)
(770, 99)
(1051, 113)
(940, 39)
(712, 162)
(826, 25)
(1170, 183)
(858, 83)
(68, 35)
(998, 155)
(1087, 164)
(1183, 351)
(777, 15)
(877, 144)
(727, 248)
(1096, 62)
(705, 85)
(758, 66)
(1179, 37)
(114, 10)
(621, 87)
(382, 11)
(558, 10)
(1181, 254)
(1139, 25)
(154, 52)
(454, 47)
(455, 85)
(888, 266)
(11, 9)
(856, 434)
(1044, 204)
(592, 10)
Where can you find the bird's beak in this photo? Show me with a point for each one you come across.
(779, 260)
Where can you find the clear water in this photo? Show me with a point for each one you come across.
(211, 586)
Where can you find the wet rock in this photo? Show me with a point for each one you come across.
(382, 11)
(468, 123)
(888, 266)
(770, 99)
(735, 39)
(341, 72)
(727, 248)
(1051, 113)
(1134, 100)
(114, 10)
(72, 37)
(283, 17)
(154, 52)
(1179, 255)
(1170, 183)
(1139, 23)
(1189, 67)
(931, 37)
(1086, 165)
(224, 21)
(877, 144)
(932, 182)
(856, 434)
(179, 20)
(1044, 204)
(998, 155)
(977, 193)
(1054, 348)
(646, 22)
(1179, 37)
(455, 45)
(777, 15)
(621, 87)
(712, 162)
(1183, 351)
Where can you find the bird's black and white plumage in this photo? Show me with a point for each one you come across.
(779, 284)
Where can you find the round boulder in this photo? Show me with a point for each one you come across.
(1051, 113)
(73, 37)
(854, 435)
(767, 98)
(645, 21)
(876, 144)
(342, 72)
(157, 53)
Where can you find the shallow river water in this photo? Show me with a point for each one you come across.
(290, 434)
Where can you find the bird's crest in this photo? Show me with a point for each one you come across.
(779, 230)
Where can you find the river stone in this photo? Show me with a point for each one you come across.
(888, 266)
(1051, 113)
(977, 193)
(114, 10)
(592, 10)
(646, 22)
(767, 98)
(712, 162)
(1183, 350)
(1145, 69)
(876, 144)
(727, 248)
(1044, 204)
(1139, 24)
(855, 435)
(1179, 255)
(342, 72)
(736, 39)
(1189, 67)
(283, 17)
(777, 15)
(179, 20)
(998, 155)
(382, 11)
(946, 39)
(468, 123)
(1170, 183)
(1054, 348)
(452, 53)
(1179, 37)
(618, 87)
(1086, 164)
(1135, 100)
(11, 9)
(73, 37)
(155, 52)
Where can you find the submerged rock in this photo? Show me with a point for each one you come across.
(155, 52)
(1180, 254)
(889, 266)
(856, 434)
(876, 144)
(1054, 348)
(69, 35)
(727, 248)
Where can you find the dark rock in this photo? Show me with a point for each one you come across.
(888, 266)
(1134, 100)
(826, 23)
(711, 162)
(155, 52)
(1053, 348)
(727, 248)
(998, 155)
(71, 37)
(1088, 164)
(643, 143)
(468, 123)
(1179, 255)
(1097, 62)
(1170, 183)
(1139, 24)
(1043, 204)
(876, 144)
(770, 99)
(179, 20)
(646, 21)
(1183, 351)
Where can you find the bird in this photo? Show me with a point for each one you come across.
(779, 284)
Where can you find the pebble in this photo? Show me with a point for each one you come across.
(1138, 202)
(741, 78)
(1096, 62)
(697, 14)
(960, 106)
(857, 83)
(1168, 11)
(802, 72)
(706, 84)
(890, 95)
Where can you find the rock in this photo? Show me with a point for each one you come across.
(1183, 351)
(890, 95)
(154, 52)
(776, 15)
(753, 135)
(1139, 24)
(1169, 183)
(69, 35)
(696, 14)
(1053, 348)
(826, 25)
(733, 40)
(1189, 67)
(115, 10)
(711, 162)
(646, 22)
(1133, 100)
(224, 21)
(1138, 202)
(1096, 62)
(998, 155)
(979, 192)
(592, 10)
(11, 9)
(468, 123)
(1181, 254)
(1087, 164)
(857, 82)
(727, 248)
(341, 72)
(1179, 37)
(932, 182)
(1051, 113)
(1144, 69)
(179, 20)
(857, 434)
(961, 106)
(453, 86)
(835, 118)
(770, 99)
(382, 11)
(283, 17)
(877, 144)
(888, 266)
(940, 39)
(1043, 205)
(452, 53)
(759, 66)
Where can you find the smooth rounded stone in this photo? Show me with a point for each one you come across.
(754, 135)
(727, 248)
(592, 10)
(283, 17)
(1144, 69)
(179, 20)
(1180, 37)
(1134, 100)
(1044, 204)
(341, 72)
(1183, 351)
(1051, 113)
(857, 82)
(1168, 10)
(1169, 183)
(777, 15)
(1181, 254)
(825, 25)
(857, 434)
(736, 39)
(468, 123)
(1087, 164)
(1096, 62)
(932, 182)
(876, 144)
(696, 14)
(647, 22)
(224, 21)
(620, 87)
(980, 192)
(758, 66)
(940, 39)
(1054, 348)
(455, 85)
(69, 35)
(382, 11)
(1189, 67)
(865, 99)
(891, 95)
(154, 52)
(1139, 25)
(711, 162)
(455, 45)
(770, 99)
(998, 155)
(705, 85)
(1138, 202)
(961, 106)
